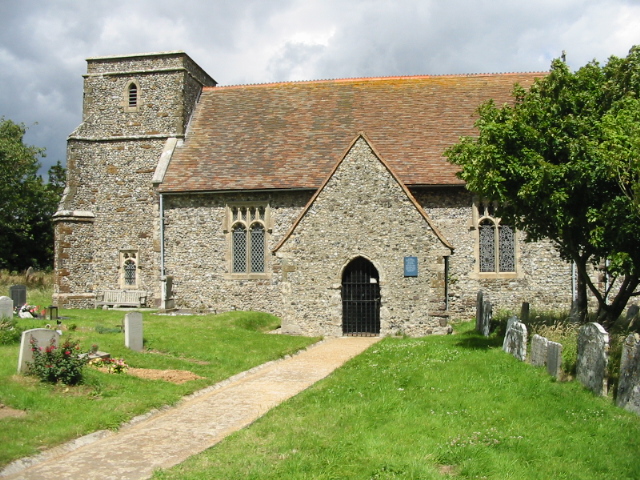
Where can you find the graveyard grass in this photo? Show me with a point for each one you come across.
(213, 347)
(432, 408)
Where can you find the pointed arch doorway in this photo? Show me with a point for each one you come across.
(360, 299)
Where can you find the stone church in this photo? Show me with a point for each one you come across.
(328, 203)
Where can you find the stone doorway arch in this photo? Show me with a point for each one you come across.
(360, 298)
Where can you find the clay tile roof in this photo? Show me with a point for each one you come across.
(290, 135)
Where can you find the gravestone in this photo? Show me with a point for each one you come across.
(41, 335)
(479, 306)
(6, 307)
(625, 322)
(524, 312)
(484, 326)
(18, 294)
(539, 347)
(629, 384)
(515, 340)
(133, 331)
(593, 358)
(554, 359)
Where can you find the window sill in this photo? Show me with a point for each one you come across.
(247, 276)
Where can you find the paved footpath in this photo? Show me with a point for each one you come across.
(198, 422)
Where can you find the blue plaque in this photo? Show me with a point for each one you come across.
(410, 266)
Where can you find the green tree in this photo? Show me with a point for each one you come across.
(562, 163)
(26, 202)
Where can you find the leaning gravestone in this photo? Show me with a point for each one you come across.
(41, 335)
(515, 340)
(524, 312)
(539, 347)
(554, 359)
(593, 357)
(6, 307)
(479, 305)
(485, 321)
(625, 322)
(18, 294)
(133, 331)
(629, 385)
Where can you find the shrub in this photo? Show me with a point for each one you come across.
(60, 363)
(10, 332)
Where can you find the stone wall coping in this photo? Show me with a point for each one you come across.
(120, 138)
(78, 215)
(165, 159)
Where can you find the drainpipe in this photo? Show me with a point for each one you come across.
(162, 237)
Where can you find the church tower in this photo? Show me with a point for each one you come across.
(136, 107)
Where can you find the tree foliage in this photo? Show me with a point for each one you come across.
(26, 202)
(562, 161)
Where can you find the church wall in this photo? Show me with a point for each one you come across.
(362, 211)
(197, 251)
(111, 160)
(542, 278)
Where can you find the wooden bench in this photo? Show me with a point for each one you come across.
(121, 298)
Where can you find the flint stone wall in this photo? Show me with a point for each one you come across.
(541, 274)
(111, 159)
(197, 251)
(362, 211)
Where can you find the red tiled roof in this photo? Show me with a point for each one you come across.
(290, 135)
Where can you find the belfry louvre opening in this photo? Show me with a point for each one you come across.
(360, 299)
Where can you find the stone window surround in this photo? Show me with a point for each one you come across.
(228, 232)
(482, 211)
(129, 255)
(127, 92)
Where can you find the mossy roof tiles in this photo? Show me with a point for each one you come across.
(290, 135)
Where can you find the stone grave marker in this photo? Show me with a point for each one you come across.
(133, 331)
(539, 347)
(18, 294)
(41, 335)
(479, 305)
(554, 359)
(524, 312)
(6, 307)
(593, 357)
(632, 313)
(515, 340)
(629, 384)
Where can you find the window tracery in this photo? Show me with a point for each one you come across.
(496, 242)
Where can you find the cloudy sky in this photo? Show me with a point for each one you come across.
(44, 43)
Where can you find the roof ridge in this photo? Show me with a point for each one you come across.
(376, 78)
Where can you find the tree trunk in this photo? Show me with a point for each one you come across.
(579, 307)
(608, 314)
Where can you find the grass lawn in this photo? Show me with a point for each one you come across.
(431, 408)
(213, 347)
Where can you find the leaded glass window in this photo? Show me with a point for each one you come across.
(239, 249)
(507, 253)
(256, 245)
(487, 246)
(129, 272)
(248, 226)
(496, 242)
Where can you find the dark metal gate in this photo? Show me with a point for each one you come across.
(360, 299)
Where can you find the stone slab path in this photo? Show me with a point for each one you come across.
(197, 423)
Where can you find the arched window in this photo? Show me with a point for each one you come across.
(496, 242)
(129, 273)
(132, 96)
(248, 240)
(239, 248)
(129, 268)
